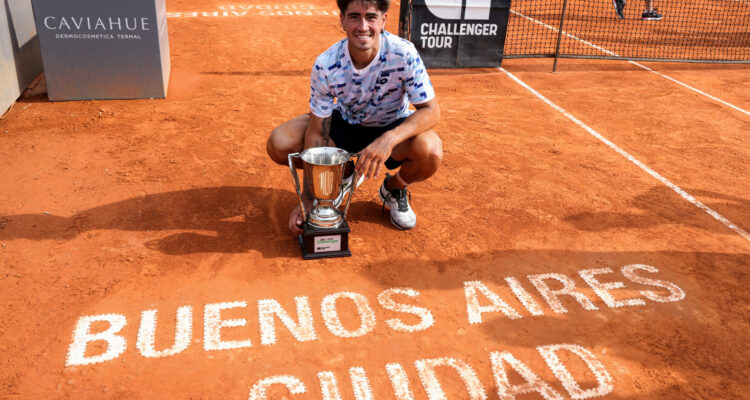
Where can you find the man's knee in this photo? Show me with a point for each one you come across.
(272, 147)
(287, 138)
(429, 147)
(279, 146)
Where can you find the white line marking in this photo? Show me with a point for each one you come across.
(611, 53)
(565, 33)
(685, 195)
(692, 88)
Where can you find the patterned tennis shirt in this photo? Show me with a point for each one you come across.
(376, 95)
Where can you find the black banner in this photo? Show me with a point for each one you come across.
(459, 33)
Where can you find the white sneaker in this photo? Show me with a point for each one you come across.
(397, 201)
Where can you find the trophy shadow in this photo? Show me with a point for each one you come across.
(227, 219)
(370, 211)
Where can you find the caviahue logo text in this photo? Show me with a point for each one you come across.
(97, 23)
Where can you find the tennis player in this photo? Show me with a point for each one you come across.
(360, 92)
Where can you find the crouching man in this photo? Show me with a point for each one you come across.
(360, 92)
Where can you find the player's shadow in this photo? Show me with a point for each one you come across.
(370, 211)
(661, 205)
(676, 334)
(216, 219)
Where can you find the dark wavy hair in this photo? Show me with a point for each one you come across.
(381, 5)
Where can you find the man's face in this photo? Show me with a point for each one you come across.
(363, 23)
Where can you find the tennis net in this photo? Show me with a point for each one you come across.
(689, 30)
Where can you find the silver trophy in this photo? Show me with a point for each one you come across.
(326, 232)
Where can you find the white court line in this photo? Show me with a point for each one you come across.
(611, 53)
(685, 195)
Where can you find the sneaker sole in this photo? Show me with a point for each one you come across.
(651, 19)
(399, 226)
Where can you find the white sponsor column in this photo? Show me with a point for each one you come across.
(20, 60)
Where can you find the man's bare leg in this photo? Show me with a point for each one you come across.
(287, 138)
(421, 156)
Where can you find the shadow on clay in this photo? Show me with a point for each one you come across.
(221, 219)
(693, 340)
(657, 207)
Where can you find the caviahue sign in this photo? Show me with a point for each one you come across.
(459, 33)
(103, 49)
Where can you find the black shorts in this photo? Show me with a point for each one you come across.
(354, 138)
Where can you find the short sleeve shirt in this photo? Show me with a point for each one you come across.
(376, 95)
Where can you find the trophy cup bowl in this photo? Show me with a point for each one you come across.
(325, 230)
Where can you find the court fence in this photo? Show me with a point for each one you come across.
(710, 31)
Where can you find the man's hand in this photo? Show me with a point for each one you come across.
(295, 220)
(372, 158)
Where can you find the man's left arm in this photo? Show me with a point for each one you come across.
(372, 158)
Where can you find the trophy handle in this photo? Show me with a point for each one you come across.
(291, 158)
(354, 183)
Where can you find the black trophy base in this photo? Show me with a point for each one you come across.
(324, 243)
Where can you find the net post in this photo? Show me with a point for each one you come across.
(559, 35)
(404, 19)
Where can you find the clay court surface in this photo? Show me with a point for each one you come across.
(109, 209)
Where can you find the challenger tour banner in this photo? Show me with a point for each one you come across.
(459, 33)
